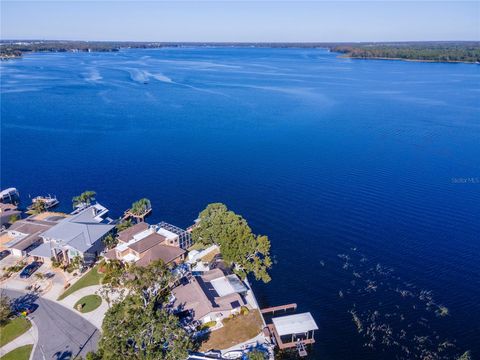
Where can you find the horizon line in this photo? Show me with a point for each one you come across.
(245, 42)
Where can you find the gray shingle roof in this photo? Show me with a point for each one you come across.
(80, 231)
(42, 251)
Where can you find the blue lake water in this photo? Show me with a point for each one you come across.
(364, 174)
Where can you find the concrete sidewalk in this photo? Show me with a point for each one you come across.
(29, 337)
(96, 316)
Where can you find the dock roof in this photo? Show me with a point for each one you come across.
(294, 324)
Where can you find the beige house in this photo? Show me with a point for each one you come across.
(212, 296)
(143, 243)
(24, 236)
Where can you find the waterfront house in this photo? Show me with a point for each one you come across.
(211, 296)
(143, 243)
(80, 235)
(25, 235)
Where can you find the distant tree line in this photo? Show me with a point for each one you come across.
(447, 51)
(440, 52)
(17, 48)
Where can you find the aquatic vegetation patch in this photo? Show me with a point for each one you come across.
(392, 315)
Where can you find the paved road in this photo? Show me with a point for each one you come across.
(62, 334)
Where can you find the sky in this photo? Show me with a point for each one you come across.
(241, 21)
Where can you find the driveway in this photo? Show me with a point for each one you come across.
(8, 261)
(62, 334)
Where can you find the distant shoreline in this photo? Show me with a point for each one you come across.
(465, 52)
(409, 60)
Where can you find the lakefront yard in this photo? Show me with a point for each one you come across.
(234, 331)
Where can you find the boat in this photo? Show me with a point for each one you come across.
(50, 201)
(10, 196)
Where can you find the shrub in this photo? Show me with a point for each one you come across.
(55, 263)
(93, 356)
(208, 325)
(16, 268)
(244, 310)
(256, 355)
(13, 218)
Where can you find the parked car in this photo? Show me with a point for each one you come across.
(4, 254)
(30, 269)
(25, 309)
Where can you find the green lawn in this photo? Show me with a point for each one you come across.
(89, 302)
(197, 246)
(13, 329)
(20, 353)
(93, 277)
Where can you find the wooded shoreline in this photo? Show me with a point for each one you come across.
(445, 52)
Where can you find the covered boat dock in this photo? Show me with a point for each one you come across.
(294, 331)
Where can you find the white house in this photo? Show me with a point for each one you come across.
(79, 235)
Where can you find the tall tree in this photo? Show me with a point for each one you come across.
(150, 283)
(249, 253)
(124, 225)
(84, 198)
(5, 308)
(141, 206)
(38, 207)
(135, 330)
(110, 241)
(137, 327)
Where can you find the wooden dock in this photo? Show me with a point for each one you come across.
(139, 218)
(302, 352)
(274, 309)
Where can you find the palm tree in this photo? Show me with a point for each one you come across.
(124, 225)
(84, 198)
(110, 241)
(39, 206)
(140, 207)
